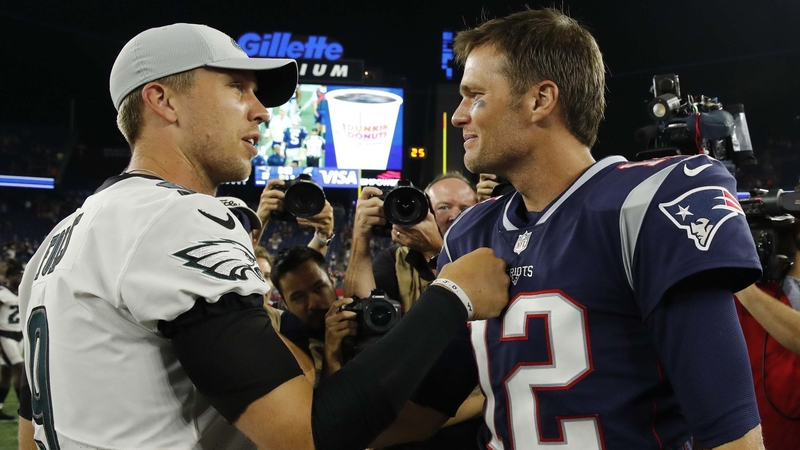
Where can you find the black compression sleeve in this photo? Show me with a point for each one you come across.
(452, 378)
(354, 405)
(25, 408)
(231, 352)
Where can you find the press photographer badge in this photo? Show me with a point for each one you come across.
(363, 123)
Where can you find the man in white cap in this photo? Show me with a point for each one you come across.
(142, 311)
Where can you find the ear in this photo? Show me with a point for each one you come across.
(543, 99)
(159, 99)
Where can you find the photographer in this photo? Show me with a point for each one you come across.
(307, 289)
(769, 313)
(272, 200)
(404, 271)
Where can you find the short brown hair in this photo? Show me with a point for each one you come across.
(129, 117)
(547, 45)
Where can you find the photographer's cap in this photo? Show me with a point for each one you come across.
(164, 51)
(238, 206)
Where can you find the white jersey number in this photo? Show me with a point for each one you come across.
(39, 368)
(570, 362)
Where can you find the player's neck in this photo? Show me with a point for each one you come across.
(549, 173)
(171, 165)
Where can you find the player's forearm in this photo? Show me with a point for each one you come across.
(780, 320)
(358, 279)
(472, 407)
(750, 441)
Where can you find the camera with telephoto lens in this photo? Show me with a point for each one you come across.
(703, 126)
(302, 198)
(404, 205)
(375, 315)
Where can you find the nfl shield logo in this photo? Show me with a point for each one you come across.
(522, 242)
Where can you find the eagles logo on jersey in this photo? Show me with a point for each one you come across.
(221, 258)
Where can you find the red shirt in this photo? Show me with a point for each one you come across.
(783, 380)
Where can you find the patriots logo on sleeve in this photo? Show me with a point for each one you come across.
(221, 258)
(701, 212)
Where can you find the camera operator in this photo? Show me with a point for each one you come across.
(272, 200)
(308, 292)
(769, 313)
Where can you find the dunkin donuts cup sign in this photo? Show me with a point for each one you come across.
(363, 123)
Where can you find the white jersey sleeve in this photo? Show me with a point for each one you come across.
(194, 249)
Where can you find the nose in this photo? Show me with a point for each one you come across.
(461, 115)
(259, 113)
(317, 302)
(453, 215)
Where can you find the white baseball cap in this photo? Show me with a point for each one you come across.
(164, 51)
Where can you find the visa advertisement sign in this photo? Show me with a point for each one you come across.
(328, 177)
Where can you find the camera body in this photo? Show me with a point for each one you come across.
(404, 205)
(375, 315)
(303, 198)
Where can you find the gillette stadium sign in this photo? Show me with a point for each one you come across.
(318, 58)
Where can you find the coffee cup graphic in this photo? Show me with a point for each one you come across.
(363, 124)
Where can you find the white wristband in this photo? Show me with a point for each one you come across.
(454, 288)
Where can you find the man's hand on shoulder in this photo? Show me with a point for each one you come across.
(482, 276)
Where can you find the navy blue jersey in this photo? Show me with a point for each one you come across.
(294, 137)
(571, 362)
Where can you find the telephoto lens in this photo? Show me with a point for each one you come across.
(405, 205)
(304, 198)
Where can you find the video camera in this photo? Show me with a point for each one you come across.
(303, 197)
(404, 205)
(376, 315)
(704, 126)
(692, 127)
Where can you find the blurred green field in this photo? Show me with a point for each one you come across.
(8, 430)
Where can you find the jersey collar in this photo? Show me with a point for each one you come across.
(512, 221)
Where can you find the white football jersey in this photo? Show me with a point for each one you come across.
(139, 251)
(9, 311)
(314, 145)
